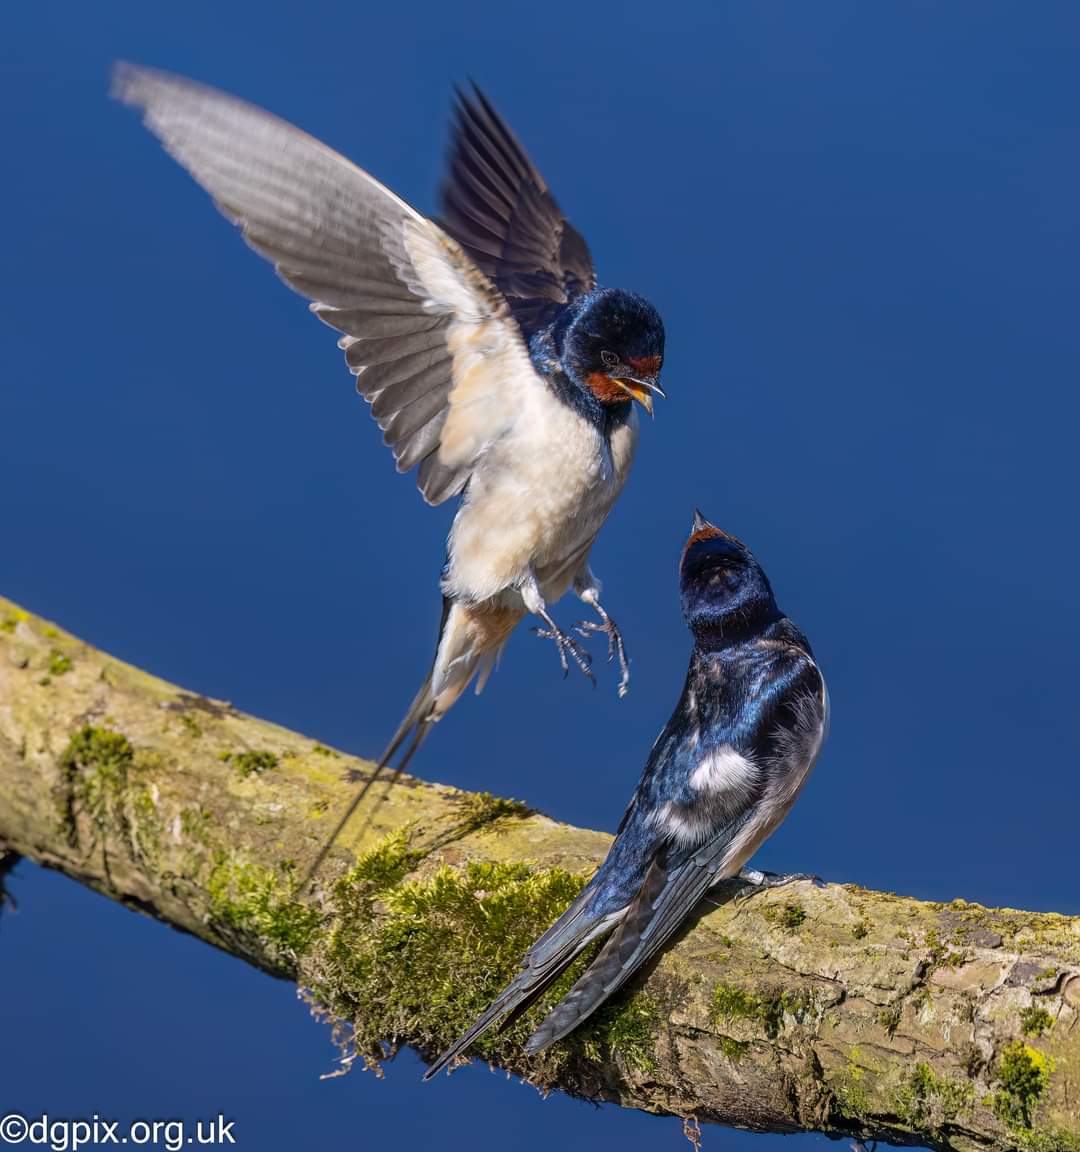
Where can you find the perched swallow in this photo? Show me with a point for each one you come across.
(720, 778)
(491, 360)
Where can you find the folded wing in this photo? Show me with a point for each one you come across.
(435, 349)
(784, 743)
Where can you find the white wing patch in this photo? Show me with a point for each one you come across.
(724, 782)
(724, 769)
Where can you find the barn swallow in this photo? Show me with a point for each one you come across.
(721, 777)
(492, 361)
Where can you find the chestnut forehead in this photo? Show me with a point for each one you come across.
(646, 365)
(710, 532)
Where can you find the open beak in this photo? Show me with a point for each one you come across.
(640, 389)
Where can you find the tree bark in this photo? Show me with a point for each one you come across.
(828, 1008)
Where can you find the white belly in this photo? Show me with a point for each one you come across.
(535, 504)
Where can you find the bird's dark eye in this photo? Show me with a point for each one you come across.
(609, 358)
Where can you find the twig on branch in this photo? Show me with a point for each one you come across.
(856, 1013)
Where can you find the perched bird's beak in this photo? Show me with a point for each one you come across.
(641, 389)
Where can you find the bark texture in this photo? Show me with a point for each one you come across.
(836, 1009)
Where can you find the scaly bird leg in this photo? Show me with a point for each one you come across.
(616, 648)
(755, 881)
(566, 644)
(530, 593)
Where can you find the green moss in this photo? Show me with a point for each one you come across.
(889, 1018)
(322, 750)
(480, 808)
(790, 916)
(453, 940)
(1048, 1139)
(732, 1003)
(940, 954)
(1024, 1073)
(13, 619)
(58, 663)
(626, 1028)
(733, 1049)
(1035, 1021)
(94, 768)
(195, 825)
(926, 1101)
(251, 763)
(384, 866)
(100, 779)
(248, 899)
(851, 1093)
(191, 725)
(765, 1009)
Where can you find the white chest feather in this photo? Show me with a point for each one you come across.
(537, 501)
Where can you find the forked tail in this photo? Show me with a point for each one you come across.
(469, 641)
(418, 721)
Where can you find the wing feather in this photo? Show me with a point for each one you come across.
(409, 302)
(498, 207)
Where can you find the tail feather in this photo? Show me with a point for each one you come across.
(617, 961)
(469, 642)
(418, 721)
(667, 896)
(508, 999)
(543, 964)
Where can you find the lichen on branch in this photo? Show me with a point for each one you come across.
(838, 1009)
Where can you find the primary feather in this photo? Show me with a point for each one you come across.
(413, 309)
(434, 324)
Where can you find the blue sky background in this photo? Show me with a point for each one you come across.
(859, 221)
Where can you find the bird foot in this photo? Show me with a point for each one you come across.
(567, 644)
(615, 648)
(755, 881)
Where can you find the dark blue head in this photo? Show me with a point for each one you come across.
(614, 346)
(725, 593)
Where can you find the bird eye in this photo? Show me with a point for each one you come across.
(609, 358)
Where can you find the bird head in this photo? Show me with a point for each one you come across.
(615, 348)
(724, 590)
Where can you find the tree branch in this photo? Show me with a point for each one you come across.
(836, 1009)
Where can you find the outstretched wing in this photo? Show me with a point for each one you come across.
(435, 349)
(779, 751)
(498, 208)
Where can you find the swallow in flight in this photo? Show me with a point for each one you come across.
(492, 361)
(721, 777)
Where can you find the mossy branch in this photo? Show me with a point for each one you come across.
(837, 1009)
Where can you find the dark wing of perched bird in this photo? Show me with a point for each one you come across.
(498, 208)
(781, 747)
(656, 872)
(434, 346)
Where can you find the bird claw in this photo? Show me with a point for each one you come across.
(755, 881)
(615, 647)
(566, 644)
